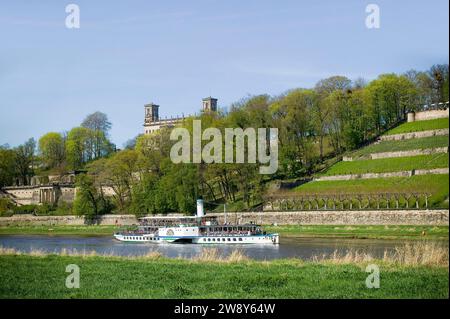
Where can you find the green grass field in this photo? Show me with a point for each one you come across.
(405, 145)
(419, 126)
(385, 165)
(107, 277)
(438, 185)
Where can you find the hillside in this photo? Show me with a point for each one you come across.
(410, 166)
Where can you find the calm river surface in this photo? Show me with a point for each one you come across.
(303, 248)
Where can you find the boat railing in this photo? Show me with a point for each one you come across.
(135, 232)
(231, 233)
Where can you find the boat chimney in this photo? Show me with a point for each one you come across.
(200, 209)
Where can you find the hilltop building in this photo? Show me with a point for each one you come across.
(153, 122)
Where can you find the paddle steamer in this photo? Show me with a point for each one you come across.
(199, 229)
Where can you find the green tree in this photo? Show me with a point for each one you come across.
(98, 122)
(439, 73)
(86, 200)
(77, 147)
(51, 148)
(333, 83)
(7, 166)
(120, 173)
(389, 98)
(296, 131)
(25, 157)
(424, 87)
(89, 200)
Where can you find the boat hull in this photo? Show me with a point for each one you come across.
(203, 240)
(136, 238)
(229, 240)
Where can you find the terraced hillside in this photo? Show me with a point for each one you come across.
(394, 170)
(420, 126)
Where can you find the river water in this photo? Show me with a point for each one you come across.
(304, 248)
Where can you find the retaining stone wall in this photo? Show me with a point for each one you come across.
(373, 217)
(382, 175)
(406, 136)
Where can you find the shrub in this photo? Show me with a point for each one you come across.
(63, 208)
(25, 209)
(6, 207)
(44, 209)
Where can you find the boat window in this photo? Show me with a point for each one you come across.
(223, 239)
(234, 239)
(228, 239)
(213, 239)
(240, 239)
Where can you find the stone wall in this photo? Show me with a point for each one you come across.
(382, 175)
(362, 176)
(428, 151)
(378, 217)
(38, 194)
(416, 152)
(65, 220)
(375, 217)
(431, 115)
(406, 136)
(431, 171)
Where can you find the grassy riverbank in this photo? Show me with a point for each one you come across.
(59, 230)
(372, 232)
(320, 231)
(25, 276)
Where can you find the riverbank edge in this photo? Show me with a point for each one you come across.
(409, 232)
(211, 255)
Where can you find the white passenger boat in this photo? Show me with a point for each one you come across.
(197, 229)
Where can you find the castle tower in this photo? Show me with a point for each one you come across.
(209, 104)
(151, 113)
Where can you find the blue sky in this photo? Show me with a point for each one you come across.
(174, 53)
